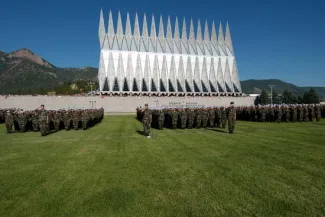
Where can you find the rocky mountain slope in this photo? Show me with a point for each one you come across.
(22, 71)
(256, 86)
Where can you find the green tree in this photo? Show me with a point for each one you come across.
(313, 96)
(264, 98)
(310, 97)
(288, 98)
(275, 98)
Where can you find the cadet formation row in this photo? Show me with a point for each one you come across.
(217, 116)
(45, 121)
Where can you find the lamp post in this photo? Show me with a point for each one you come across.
(271, 86)
(91, 83)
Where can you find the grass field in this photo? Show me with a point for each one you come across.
(264, 169)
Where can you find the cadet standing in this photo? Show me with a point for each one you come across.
(146, 120)
(231, 117)
(9, 119)
(43, 121)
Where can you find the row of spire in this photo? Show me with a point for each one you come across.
(221, 41)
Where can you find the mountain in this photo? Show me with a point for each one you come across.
(23, 71)
(256, 86)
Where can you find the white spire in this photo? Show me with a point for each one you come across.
(155, 74)
(227, 77)
(228, 40)
(189, 74)
(192, 36)
(220, 77)
(145, 27)
(206, 31)
(119, 31)
(184, 42)
(197, 78)
(101, 29)
(136, 34)
(101, 73)
(181, 74)
(204, 77)
(128, 31)
(172, 74)
(169, 37)
(192, 42)
(199, 31)
(214, 39)
(235, 77)
(161, 37)
(184, 33)
(153, 35)
(199, 39)
(110, 31)
(161, 34)
(144, 34)
(178, 45)
(136, 31)
(212, 75)
(221, 39)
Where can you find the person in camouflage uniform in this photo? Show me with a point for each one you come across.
(174, 118)
(75, 119)
(84, 119)
(22, 120)
(183, 118)
(223, 117)
(35, 124)
(294, 114)
(300, 113)
(217, 117)
(198, 118)
(161, 119)
(56, 120)
(205, 117)
(191, 117)
(43, 121)
(9, 120)
(146, 120)
(278, 114)
(306, 114)
(67, 119)
(211, 117)
(311, 113)
(318, 113)
(287, 114)
(231, 118)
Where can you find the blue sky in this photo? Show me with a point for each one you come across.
(272, 39)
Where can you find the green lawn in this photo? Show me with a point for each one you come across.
(264, 169)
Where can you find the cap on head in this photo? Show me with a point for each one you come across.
(146, 104)
(232, 103)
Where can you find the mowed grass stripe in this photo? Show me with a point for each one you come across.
(264, 169)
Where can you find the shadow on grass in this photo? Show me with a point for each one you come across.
(217, 130)
(141, 132)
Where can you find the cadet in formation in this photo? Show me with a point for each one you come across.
(195, 117)
(282, 113)
(146, 120)
(190, 117)
(44, 121)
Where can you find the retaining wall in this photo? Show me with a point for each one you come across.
(114, 104)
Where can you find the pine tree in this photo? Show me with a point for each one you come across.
(313, 97)
(263, 98)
